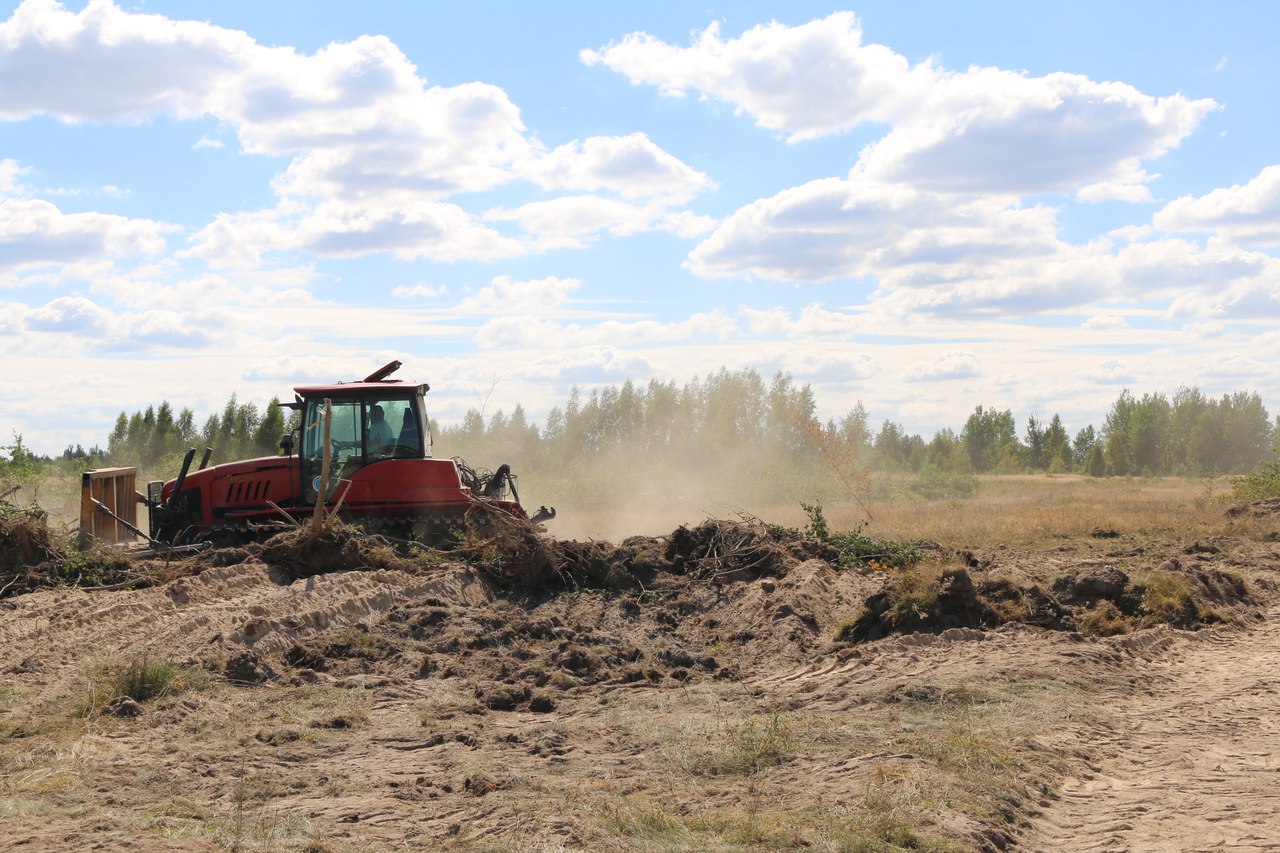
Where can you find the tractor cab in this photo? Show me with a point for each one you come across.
(367, 425)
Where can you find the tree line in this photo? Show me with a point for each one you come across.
(745, 433)
(773, 421)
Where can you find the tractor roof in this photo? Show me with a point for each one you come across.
(363, 389)
(374, 385)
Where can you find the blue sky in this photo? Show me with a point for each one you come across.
(920, 206)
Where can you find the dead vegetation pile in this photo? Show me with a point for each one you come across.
(32, 556)
(303, 552)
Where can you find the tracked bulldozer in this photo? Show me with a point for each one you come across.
(362, 450)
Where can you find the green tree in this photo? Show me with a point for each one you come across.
(1115, 435)
(986, 436)
(1095, 464)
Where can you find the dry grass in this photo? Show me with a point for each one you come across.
(1031, 510)
(1015, 510)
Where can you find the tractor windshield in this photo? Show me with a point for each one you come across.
(362, 431)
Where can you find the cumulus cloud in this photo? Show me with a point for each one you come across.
(568, 221)
(1248, 213)
(438, 230)
(417, 291)
(374, 149)
(631, 166)
(957, 364)
(10, 173)
(831, 366)
(810, 81)
(1113, 372)
(1235, 367)
(994, 131)
(96, 326)
(72, 314)
(933, 210)
(813, 321)
(978, 130)
(34, 232)
(520, 298)
(959, 248)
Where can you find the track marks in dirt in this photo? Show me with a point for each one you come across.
(1189, 758)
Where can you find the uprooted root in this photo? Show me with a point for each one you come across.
(336, 547)
(728, 550)
(509, 549)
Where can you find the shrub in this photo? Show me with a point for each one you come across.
(854, 546)
(1259, 484)
(934, 484)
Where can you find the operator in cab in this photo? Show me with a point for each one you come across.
(380, 437)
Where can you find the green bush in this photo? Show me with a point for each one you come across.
(934, 484)
(854, 545)
(1259, 484)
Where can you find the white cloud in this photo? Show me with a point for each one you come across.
(957, 364)
(973, 248)
(565, 222)
(994, 131)
(980, 130)
(1248, 214)
(813, 321)
(417, 291)
(1205, 331)
(375, 150)
(631, 166)
(34, 232)
(70, 314)
(826, 365)
(811, 80)
(505, 296)
(10, 172)
(438, 230)
(1234, 366)
(1113, 372)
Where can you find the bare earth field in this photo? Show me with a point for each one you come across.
(1098, 668)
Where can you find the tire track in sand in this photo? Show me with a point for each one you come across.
(1191, 761)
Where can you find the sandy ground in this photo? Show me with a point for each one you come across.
(1189, 758)
(394, 710)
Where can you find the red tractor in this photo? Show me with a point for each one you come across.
(381, 474)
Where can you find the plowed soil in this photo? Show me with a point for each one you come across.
(701, 691)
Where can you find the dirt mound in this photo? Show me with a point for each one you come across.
(1105, 602)
(717, 550)
(1267, 508)
(933, 602)
(303, 552)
